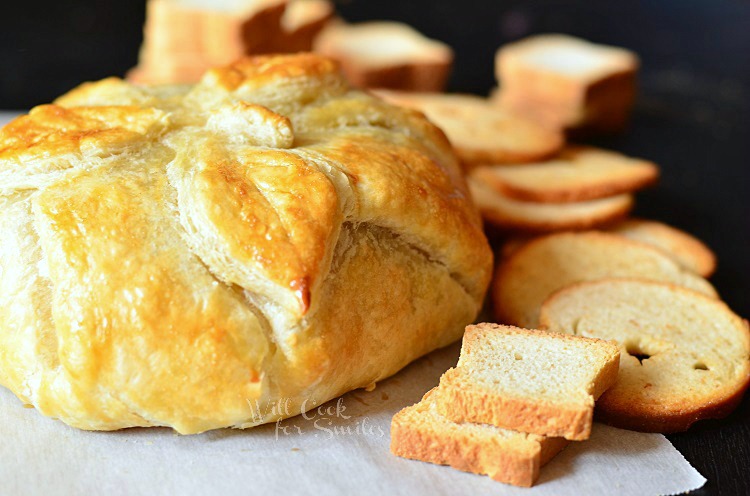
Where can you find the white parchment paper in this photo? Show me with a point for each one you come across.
(7, 116)
(343, 448)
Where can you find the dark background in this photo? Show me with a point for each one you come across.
(692, 115)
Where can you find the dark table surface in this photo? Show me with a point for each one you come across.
(692, 116)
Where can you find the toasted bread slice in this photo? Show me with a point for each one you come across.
(542, 266)
(529, 381)
(419, 432)
(184, 38)
(687, 250)
(685, 356)
(509, 214)
(479, 132)
(302, 21)
(172, 27)
(387, 55)
(567, 82)
(577, 173)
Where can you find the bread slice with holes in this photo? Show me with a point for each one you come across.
(684, 356)
(480, 132)
(577, 173)
(383, 54)
(687, 250)
(542, 266)
(510, 214)
(528, 380)
(567, 82)
(420, 432)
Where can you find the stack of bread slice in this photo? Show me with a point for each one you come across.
(184, 38)
(385, 54)
(521, 174)
(516, 394)
(686, 355)
(302, 22)
(579, 188)
(512, 402)
(567, 83)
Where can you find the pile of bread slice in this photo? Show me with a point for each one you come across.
(637, 287)
(511, 404)
(522, 174)
(184, 38)
(578, 285)
(620, 322)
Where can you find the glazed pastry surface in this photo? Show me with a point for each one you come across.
(183, 255)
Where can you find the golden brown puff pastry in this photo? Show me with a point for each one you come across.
(191, 256)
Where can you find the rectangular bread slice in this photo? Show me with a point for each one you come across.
(419, 432)
(302, 21)
(528, 380)
(568, 82)
(184, 38)
(383, 54)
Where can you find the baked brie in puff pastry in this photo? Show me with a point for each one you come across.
(178, 255)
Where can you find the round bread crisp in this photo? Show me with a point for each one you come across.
(509, 214)
(577, 173)
(687, 250)
(542, 266)
(684, 356)
(229, 253)
(481, 132)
